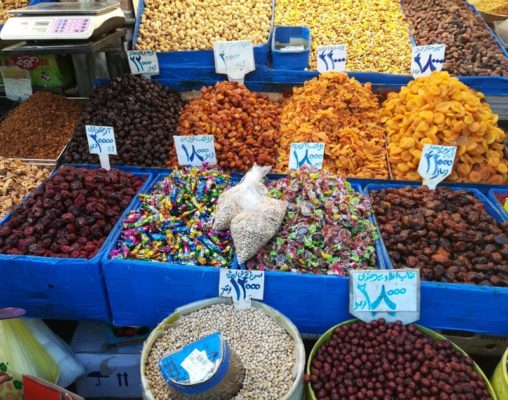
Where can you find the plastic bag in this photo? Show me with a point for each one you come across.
(22, 354)
(70, 367)
(252, 217)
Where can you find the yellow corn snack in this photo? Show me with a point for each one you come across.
(375, 31)
(439, 109)
(344, 115)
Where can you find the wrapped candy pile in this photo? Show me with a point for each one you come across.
(326, 229)
(171, 223)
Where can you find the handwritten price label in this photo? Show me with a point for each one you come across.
(143, 62)
(426, 59)
(101, 141)
(436, 164)
(390, 294)
(195, 150)
(242, 286)
(331, 58)
(310, 154)
(234, 58)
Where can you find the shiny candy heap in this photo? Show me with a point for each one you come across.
(442, 110)
(172, 222)
(326, 229)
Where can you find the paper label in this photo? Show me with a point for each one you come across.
(331, 58)
(17, 83)
(390, 294)
(235, 58)
(197, 365)
(426, 59)
(195, 150)
(436, 163)
(310, 154)
(143, 62)
(242, 286)
(101, 141)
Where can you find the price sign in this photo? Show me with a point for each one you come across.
(143, 62)
(390, 294)
(101, 141)
(17, 83)
(436, 164)
(195, 150)
(426, 59)
(235, 58)
(310, 154)
(331, 58)
(242, 286)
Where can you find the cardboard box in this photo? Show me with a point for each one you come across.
(111, 371)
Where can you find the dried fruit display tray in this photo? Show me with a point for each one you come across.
(495, 201)
(58, 288)
(197, 58)
(458, 306)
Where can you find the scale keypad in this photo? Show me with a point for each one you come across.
(71, 25)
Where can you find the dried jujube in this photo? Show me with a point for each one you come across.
(447, 234)
(70, 214)
(144, 115)
(380, 361)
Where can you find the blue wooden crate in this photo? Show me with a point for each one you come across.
(57, 288)
(146, 292)
(457, 306)
(198, 58)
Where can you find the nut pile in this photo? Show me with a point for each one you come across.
(10, 5)
(17, 179)
(196, 25)
(376, 32)
(442, 110)
(172, 223)
(39, 127)
(143, 114)
(470, 47)
(70, 214)
(447, 234)
(344, 115)
(382, 360)
(245, 125)
(326, 229)
(265, 348)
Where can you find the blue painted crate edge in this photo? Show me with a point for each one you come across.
(88, 268)
(197, 58)
(492, 197)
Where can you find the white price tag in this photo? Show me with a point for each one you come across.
(101, 141)
(195, 150)
(310, 154)
(331, 58)
(242, 286)
(235, 58)
(17, 83)
(436, 163)
(390, 294)
(426, 59)
(143, 62)
(197, 365)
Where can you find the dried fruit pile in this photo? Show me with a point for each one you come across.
(442, 110)
(144, 116)
(376, 32)
(345, 115)
(447, 234)
(245, 125)
(326, 229)
(16, 181)
(470, 47)
(382, 360)
(173, 222)
(39, 127)
(10, 5)
(70, 214)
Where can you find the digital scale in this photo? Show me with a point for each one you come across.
(63, 21)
